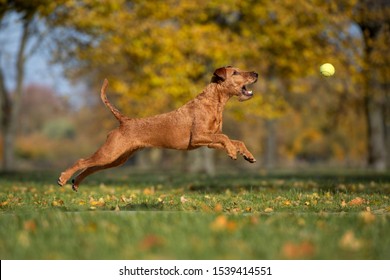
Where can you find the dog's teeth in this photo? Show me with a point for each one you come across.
(249, 91)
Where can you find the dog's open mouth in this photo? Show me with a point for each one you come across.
(246, 92)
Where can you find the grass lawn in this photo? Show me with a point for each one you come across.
(119, 215)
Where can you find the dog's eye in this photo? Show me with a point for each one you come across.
(236, 72)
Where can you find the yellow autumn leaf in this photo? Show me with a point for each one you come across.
(58, 202)
(4, 203)
(149, 191)
(349, 241)
(222, 223)
(367, 217)
(287, 202)
(99, 202)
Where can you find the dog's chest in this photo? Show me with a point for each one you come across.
(215, 123)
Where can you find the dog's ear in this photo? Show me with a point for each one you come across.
(219, 75)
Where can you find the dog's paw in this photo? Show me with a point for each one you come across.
(233, 156)
(250, 159)
(61, 182)
(74, 186)
(62, 179)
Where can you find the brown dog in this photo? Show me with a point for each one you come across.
(195, 124)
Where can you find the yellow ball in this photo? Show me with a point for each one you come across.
(327, 69)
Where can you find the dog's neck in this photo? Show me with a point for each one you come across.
(214, 93)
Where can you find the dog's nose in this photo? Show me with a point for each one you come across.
(254, 74)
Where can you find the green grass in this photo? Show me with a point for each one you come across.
(117, 215)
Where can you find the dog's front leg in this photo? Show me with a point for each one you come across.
(241, 148)
(216, 141)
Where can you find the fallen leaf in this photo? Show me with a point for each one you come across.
(183, 199)
(268, 210)
(219, 223)
(367, 217)
(343, 203)
(4, 203)
(99, 202)
(30, 226)
(287, 202)
(231, 226)
(58, 202)
(149, 191)
(253, 220)
(303, 250)
(222, 223)
(218, 207)
(150, 242)
(356, 201)
(349, 241)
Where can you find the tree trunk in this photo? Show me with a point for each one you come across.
(11, 104)
(5, 122)
(375, 107)
(376, 145)
(387, 115)
(373, 19)
(270, 154)
(202, 161)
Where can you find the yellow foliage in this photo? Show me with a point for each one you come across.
(159, 54)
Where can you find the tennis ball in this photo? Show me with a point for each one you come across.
(327, 69)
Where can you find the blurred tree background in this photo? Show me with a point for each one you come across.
(159, 54)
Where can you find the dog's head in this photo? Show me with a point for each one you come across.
(236, 81)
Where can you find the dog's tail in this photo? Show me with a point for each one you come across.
(114, 110)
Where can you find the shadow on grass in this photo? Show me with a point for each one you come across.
(143, 207)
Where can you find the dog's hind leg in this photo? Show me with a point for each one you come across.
(113, 149)
(90, 170)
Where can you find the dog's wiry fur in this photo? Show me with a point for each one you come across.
(195, 124)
